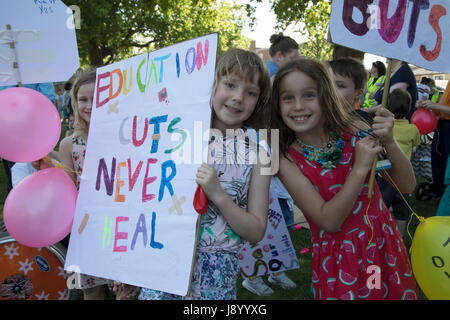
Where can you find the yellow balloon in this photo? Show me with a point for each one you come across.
(430, 257)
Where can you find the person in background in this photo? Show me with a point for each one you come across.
(424, 89)
(350, 76)
(401, 77)
(435, 94)
(440, 147)
(67, 110)
(407, 136)
(375, 82)
(282, 50)
(46, 88)
(444, 203)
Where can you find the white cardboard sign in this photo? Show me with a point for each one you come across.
(135, 205)
(45, 44)
(275, 252)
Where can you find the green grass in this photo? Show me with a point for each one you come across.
(300, 239)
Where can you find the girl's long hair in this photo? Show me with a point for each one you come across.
(333, 105)
(247, 65)
(83, 76)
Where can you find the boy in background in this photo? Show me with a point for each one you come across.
(350, 78)
(407, 136)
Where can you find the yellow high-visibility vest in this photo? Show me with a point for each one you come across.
(435, 97)
(372, 87)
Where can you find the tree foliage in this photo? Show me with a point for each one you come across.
(316, 26)
(313, 16)
(112, 30)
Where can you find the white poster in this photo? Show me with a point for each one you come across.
(274, 252)
(45, 45)
(134, 220)
(413, 31)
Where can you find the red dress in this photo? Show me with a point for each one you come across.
(344, 264)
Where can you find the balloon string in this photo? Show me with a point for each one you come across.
(370, 223)
(59, 165)
(413, 213)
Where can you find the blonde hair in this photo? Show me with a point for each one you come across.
(246, 65)
(83, 76)
(332, 104)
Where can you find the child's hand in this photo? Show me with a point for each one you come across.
(41, 164)
(383, 125)
(427, 104)
(207, 178)
(125, 291)
(365, 151)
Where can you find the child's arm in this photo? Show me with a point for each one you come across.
(329, 215)
(401, 172)
(65, 155)
(433, 106)
(250, 225)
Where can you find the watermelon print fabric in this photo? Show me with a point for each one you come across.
(344, 264)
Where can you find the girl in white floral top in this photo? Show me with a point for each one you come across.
(237, 191)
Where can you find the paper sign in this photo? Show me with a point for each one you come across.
(274, 253)
(416, 32)
(45, 44)
(146, 133)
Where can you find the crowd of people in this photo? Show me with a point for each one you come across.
(331, 126)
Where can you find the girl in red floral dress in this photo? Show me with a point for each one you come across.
(358, 252)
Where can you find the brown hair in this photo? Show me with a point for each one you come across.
(83, 76)
(350, 68)
(246, 65)
(282, 43)
(332, 104)
(399, 103)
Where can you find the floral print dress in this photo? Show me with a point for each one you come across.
(216, 266)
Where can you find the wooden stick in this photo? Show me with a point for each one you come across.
(383, 105)
(13, 47)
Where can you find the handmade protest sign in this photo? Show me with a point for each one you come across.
(146, 141)
(412, 31)
(37, 42)
(275, 252)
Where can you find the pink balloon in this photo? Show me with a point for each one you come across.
(39, 210)
(30, 125)
(425, 120)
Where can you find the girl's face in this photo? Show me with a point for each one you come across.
(85, 99)
(289, 56)
(300, 105)
(234, 101)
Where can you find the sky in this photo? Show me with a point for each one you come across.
(264, 28)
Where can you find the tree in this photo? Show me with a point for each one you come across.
(315, 29)
(290, 12)
(112, 30)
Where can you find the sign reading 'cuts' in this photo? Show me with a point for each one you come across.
(415, 31)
